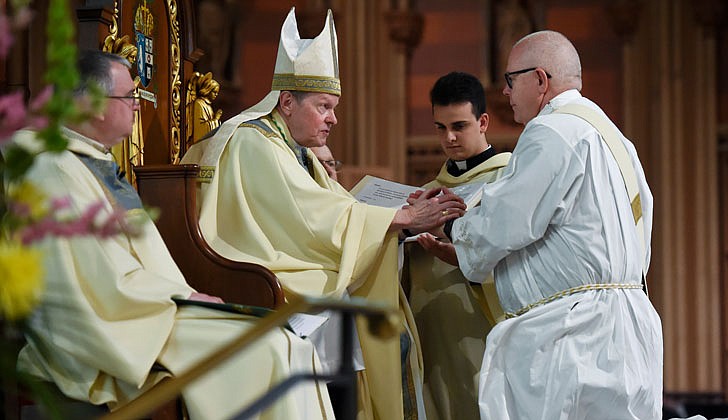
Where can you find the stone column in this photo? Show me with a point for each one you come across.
(405, 32)
(375, 38)
(669, 64)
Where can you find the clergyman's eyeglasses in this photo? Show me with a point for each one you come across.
(509, 79)
(133, 99)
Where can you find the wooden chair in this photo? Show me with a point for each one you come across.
(173, 190)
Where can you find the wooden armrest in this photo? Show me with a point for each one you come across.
(173, 190)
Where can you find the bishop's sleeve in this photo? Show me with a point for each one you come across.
(264, 207)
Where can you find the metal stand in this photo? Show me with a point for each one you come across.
(345, 378)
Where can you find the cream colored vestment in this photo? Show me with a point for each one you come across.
(261, 205)
(107, 317)
(453, 317)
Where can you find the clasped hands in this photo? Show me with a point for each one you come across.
(434, 240)
(429, 210)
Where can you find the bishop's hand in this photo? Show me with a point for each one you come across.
(428, 210)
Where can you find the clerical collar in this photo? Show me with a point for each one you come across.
(459, 167)
(91, 142)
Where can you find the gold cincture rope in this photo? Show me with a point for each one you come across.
(567, 292)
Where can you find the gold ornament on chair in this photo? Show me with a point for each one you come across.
(201, 117)
(121, 46)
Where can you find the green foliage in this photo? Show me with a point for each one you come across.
(61, 54)
(62, 75)
(16, 162)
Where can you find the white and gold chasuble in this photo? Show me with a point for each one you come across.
(453, 317)
(263, 206)
(107, 317)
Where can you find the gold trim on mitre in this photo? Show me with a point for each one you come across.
(304, 83)
(308, 65)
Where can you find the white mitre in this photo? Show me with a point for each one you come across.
(308, 65)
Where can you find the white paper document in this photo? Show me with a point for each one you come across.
(384, 193)
(381, 192)
(305, 324)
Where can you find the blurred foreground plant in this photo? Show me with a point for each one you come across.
(21, 285)
(27, 215)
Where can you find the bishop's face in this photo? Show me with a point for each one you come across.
(461, 134)
(310, 119)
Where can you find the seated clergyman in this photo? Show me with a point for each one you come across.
(107, 316)
(270, 201)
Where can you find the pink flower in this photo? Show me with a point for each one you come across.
(92, 221)
(12, 114)
(114, 224)
(19, 21)
(22, 17)
(60, 203)
(41, 99)
(37, 119)
(89, 215)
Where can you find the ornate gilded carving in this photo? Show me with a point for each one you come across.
(175, 99)
(121, 46)
(114, 27)
(201, 117)
(143, 19)
(144, 22)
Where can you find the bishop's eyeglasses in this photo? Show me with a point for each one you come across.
(509, 79)
(333, 164)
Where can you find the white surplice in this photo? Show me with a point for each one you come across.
(560, 218)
